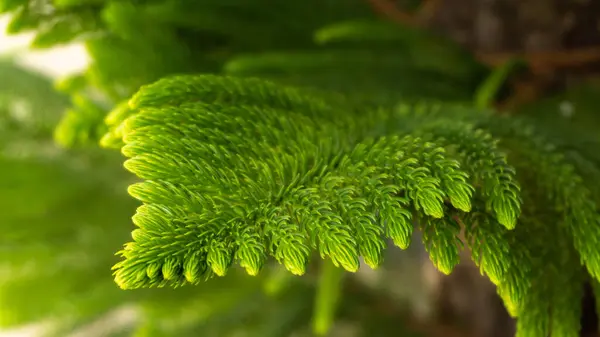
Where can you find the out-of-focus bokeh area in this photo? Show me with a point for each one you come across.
(64, 208)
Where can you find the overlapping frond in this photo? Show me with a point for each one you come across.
(243, 170)
(566, 190)
(240, 169)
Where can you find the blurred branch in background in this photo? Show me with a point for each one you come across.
(545, 62)
(539, 61)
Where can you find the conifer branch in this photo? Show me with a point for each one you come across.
(241, 170)
(283, 183)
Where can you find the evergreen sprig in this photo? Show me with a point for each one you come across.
(243, 170)
(240, 170)
(274, 181)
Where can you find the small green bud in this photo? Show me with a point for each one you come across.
(170, 269)
(152, 270)
(295, 259)
(345, 255)
(192, 267)
(219, 258)
(251, 258)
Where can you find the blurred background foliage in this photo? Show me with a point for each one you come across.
(64, 203)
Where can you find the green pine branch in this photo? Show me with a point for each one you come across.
(240, 170)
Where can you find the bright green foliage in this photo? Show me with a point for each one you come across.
(304, 187)
(135, 43)
(57, 248)
(259, 169)
(271, 130)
